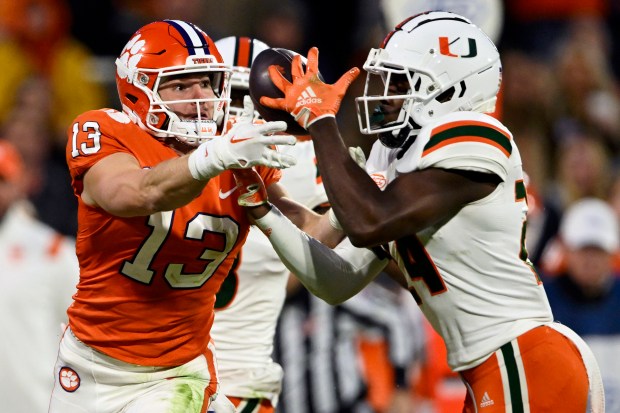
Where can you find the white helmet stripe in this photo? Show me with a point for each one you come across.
(196, 44)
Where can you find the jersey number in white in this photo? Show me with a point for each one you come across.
(138, 268)
(94, 135)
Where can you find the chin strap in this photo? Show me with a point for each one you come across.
(399, 138)
(408, 142)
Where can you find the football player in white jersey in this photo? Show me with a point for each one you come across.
(443, 196)
(251, 298)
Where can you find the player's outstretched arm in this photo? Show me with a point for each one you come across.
(331, 274)
(119, 185)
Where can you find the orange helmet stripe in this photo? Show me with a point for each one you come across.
(243, 53)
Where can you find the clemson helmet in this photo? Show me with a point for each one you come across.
(240, 52)
(444, 64)
(171, 48)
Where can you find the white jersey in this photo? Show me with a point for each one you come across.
(39, 273)
(251, 298)
(470, 275)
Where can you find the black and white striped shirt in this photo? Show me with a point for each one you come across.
(317, 346)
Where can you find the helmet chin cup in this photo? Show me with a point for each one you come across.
(193, 130)
(395, 138)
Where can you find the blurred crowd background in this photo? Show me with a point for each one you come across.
(560, 97)
(559, 94)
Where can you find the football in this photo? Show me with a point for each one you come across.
(261, 85)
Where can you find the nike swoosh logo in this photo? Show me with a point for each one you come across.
(234, 139)
(224, 195)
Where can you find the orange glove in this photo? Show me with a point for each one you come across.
(308, 98)
(252, 191)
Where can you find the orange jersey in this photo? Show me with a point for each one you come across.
(147, 284)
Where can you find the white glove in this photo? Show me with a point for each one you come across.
(245, 145)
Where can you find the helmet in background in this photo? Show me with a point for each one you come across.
(240, 52)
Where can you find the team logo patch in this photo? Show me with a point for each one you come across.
(379, 179)
(69, 379)
(445, 45)
(130, 57)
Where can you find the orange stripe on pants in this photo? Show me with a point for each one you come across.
(541, 369)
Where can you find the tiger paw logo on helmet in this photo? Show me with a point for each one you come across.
(130, 57)
(69, 380)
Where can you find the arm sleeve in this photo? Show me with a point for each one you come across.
(332, 275)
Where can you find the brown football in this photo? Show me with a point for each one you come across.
(261, 85)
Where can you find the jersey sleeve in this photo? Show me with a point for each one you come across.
(269, 175)
(93, 136)
(474, 143)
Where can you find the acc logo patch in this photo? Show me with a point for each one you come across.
(68, 379)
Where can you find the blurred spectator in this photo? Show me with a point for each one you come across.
(38, 272)
(536, 26)
(586, 295)
(48, 184)
(393, 354)
(36, 41)
(527, 111)
(283, 25)
(582, 170)
(48, 78)
(586, 94)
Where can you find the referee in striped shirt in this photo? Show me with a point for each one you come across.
(317, 345)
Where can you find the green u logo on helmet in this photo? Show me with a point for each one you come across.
(444, 47)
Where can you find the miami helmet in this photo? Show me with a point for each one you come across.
(240, 52)
(172, 48)
(446, 64)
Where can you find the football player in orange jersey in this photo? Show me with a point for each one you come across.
(159, 226)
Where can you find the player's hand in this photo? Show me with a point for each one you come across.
(308, 98)
(245, 145)
(252, 191)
